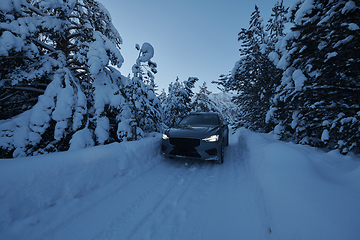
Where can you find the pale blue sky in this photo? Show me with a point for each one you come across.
(191, 38)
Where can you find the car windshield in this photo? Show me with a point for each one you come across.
(201, 119)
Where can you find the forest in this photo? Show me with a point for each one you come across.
(61, 89)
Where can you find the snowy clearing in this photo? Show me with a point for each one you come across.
(266, 189)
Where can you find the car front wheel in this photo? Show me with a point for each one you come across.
(221, 155)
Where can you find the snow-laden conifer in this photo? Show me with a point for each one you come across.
(318, 101)
(254, 77)
(276, 31)
(202, 101)
(144, 106)
(178, 103)
(58, 54)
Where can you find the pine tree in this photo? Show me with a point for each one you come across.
(171, 105)
(65, 50)
(162, 96)
(256, 26)
(178, 103)
(254, 77)
(144, 105)
(317, 102)
(276, 30)
(144, 68)
(222, 82)
(202, 101)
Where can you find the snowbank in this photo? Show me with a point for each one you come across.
(277, 190)
(33, 184)
(307, 193)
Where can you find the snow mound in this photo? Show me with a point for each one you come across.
(33, 184)
(311, 194)
(147, 52)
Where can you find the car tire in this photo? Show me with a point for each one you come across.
(227, 137)
(221, 155)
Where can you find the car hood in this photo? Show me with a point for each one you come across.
(192, 131)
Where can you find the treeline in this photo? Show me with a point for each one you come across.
(299, 74)
(60, 87)
(181, 99)
(60, 84)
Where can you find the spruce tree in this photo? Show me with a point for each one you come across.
(162, 96)
(172, 105)
(317, 102)
(66, 50)
(144, 105)
(253, 77)
(276, 30)
(202, 101)
(178, 103)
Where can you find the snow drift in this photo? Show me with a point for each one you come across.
(266, 189)
(31, 185)
(307, 193)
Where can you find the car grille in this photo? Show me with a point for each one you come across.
(185, 147)
(185, 142)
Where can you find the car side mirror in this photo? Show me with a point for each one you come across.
(225, 123)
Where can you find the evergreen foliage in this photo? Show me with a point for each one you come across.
(162, 96)
(254, 77)
(58, 88)
(312, 95)
(318, 100)
(276, 30)
(202, 101)
(178, 103)
(145, 107)
(222, 82)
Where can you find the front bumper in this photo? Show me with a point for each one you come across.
(191, 148)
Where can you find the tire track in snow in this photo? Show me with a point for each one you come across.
(230, 198)
(164, 206)
(160, 204)
(179, 199)
(235, 211)
(112, 199)
(191, 191)
(141, 209)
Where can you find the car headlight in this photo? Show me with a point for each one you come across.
(165, 137)
(212, 138)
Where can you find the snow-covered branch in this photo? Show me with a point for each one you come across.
(44, 45)
(32, 8)
(32, 89)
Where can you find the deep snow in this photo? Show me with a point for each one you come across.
(266, 189)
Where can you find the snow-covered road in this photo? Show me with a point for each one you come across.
(175, 199)
(251, 196)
